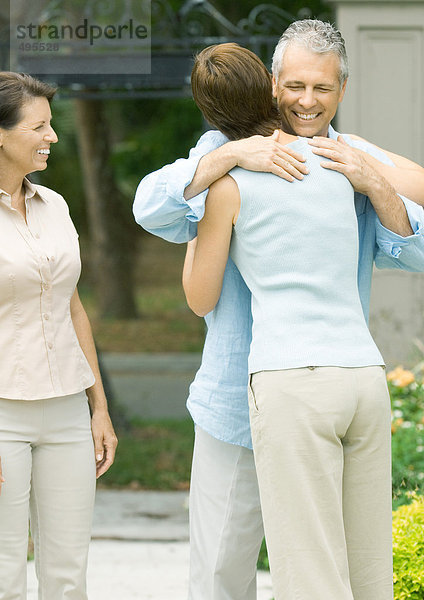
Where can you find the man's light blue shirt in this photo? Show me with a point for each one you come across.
(218, 395)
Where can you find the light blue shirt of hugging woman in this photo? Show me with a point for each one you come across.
(296, 246)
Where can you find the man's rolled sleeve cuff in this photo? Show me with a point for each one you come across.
(179, 178)
(176, 185)
(392, 243)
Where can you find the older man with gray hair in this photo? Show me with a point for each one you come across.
(297, 62)
(225, 526)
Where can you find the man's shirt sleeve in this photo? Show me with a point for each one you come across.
(159, 204)
(369, 149)
(397, 252)
(394, 251)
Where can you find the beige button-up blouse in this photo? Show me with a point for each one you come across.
(40, 356)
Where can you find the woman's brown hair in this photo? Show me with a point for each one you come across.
(233, 89)
(15, 90)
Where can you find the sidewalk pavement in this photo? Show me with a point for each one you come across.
(139, 548)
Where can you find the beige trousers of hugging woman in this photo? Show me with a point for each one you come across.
(321, 439)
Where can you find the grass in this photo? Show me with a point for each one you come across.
(171, 331)
(153, 455)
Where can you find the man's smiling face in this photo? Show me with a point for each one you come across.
(308, 91)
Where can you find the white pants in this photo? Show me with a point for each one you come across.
(49, 469)
(321, 438)
(225, 521)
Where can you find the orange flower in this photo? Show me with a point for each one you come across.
(396, 424)
(401, 377)
(395, 373)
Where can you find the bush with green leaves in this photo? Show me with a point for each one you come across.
(408, 551)
(407, 396)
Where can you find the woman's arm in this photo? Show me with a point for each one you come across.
(105, 440)
(255, 153)
(188, 262)
(206, 258)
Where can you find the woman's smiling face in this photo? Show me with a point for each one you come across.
(25, 148)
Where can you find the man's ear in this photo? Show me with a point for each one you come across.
(274, 87)
(342, 91)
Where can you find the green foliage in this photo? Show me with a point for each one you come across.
(408, 464)
(153, 133)
(263, 562)
(144, 134)
(407, 397)
(63, 173)
(408, 551)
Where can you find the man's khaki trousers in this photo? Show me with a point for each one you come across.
(321, 439)
(48, 464)
(226, 530)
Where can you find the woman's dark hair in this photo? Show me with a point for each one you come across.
(15, 90)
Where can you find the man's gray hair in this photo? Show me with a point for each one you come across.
(316, 36)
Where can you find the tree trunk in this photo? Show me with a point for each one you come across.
(110, 223)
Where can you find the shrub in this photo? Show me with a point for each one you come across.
(407, 396)
(408, 551)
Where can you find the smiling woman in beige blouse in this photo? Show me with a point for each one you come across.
(48, 365)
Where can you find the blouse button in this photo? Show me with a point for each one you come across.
(50, 345)
(46, 316)
(46, 286)
(37, 236)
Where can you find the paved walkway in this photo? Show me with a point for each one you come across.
(140, 548)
